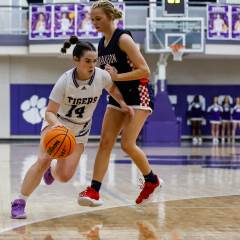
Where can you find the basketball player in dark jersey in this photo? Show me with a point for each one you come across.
(121, 57)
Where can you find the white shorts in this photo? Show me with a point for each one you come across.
(81, 130)
(134, 107)
(236, 121)
(215, 122)
(226, 121)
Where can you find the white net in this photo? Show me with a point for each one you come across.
(177, 52)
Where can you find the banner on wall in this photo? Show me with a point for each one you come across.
(85, 28)
(63, 20)
(236, 22)
(219, 22)
(40, 24)
(223, 22)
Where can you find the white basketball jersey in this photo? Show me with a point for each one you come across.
(79, 98)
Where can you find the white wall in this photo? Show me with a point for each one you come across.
(204, 71)
(200, 71)
(38, 69)
(5, 2)
(4, 97)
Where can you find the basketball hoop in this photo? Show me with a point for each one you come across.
(177, 51)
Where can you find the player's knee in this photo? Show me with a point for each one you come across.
(43, 162)
(126, 145)
(64, 176)
(106, 143)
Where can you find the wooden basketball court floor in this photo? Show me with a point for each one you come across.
(200, 198)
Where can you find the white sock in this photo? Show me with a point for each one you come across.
(20, 196)
(53, 163)
(53, 167)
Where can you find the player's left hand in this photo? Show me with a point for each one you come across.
(112, 71)
(128, 110)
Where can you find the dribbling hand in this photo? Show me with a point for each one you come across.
(128, 109)
(58, 125)
(112, 71)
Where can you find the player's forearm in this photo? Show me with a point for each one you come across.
(135, 74)
(51, 118)
(116, 94)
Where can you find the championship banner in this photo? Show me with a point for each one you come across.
(121, 22)
(64, 21)
(40, 24)
(235, 22)
(218, 22)
(85, 28)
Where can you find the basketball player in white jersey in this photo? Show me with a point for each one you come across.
(71, 103)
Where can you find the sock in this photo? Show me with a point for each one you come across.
(53, 167)
(20, 196)
(96, 185)
(53, 163)
(151, 177)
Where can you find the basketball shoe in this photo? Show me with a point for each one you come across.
(47, 177)
(147, 189)
(90, 197)
(18, 209)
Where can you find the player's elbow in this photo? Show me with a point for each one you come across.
(146, 72)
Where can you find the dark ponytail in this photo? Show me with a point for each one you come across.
(79, 49)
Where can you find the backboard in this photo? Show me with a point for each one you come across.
(162, 33)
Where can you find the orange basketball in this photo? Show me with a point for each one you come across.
(59, 142)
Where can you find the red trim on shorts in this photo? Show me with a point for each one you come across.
(144, 81)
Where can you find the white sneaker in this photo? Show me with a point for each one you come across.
(195, 141)
(215, 141)
(223, 141)
(199, 141)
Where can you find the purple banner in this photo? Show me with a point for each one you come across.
(85, 28)
(120, 23)
(235, 22)
(218, 22)
(64, 21)
(40, 26)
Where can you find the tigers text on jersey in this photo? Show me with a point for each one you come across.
(78, 99)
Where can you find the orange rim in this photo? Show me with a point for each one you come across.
(177, 47)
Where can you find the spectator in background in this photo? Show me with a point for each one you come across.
(235, 118)
(195, 115)
(226, 120)
(214, 114)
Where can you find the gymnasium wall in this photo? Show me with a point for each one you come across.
(46, 70)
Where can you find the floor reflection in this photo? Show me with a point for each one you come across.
(203, 218)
